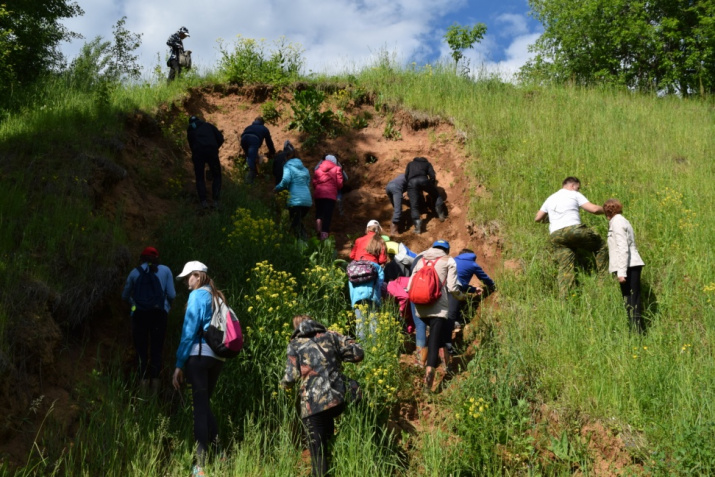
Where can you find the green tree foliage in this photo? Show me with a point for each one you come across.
(460, 38)
(30, 33)
(252, 61)
(103, 61)
(655, 45)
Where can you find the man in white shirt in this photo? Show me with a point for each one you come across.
(569, 237)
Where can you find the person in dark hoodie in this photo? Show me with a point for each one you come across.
(205, 140)
(280, 159)
(420, 177)
(296, 178)
(314, 358)
(251, 140)
(467, 267)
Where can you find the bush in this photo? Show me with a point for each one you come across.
(250, 61)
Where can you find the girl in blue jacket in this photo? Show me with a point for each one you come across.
(296, 178)
(201, 365)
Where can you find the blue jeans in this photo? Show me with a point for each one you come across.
(395, 196)
(420, 329)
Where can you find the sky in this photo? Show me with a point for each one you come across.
(337, 35)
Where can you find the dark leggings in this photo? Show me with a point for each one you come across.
(296, 220)
(321, 427)
(435, 340)
(148, 332)
(202, 373)
(324, 212)
(631, 291)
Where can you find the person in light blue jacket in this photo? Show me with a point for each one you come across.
(366, 295)
(296, 179)
(196, 357)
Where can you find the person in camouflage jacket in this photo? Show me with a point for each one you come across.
(314, 357)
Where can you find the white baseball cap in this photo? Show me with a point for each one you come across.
(191, 267)
(373, 222)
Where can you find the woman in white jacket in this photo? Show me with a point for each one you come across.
(624, 261)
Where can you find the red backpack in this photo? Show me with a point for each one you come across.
(426, 287)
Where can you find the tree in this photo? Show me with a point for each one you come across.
(664, 46)
(460, 38)
(30, 33)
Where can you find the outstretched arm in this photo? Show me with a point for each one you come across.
(593, 208)
(541, 216)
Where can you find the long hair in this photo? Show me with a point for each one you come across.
(376, 244)
(205, 280)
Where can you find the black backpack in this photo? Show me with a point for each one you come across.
(148, 294)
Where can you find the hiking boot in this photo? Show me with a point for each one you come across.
(441, 217)
(429, 379)
(204, 204)
(393, 230)
(418, 226)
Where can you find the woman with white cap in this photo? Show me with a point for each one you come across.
(370, 246)
(196, 357)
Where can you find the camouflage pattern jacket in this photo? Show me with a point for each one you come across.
(314, 357)
(177, 46)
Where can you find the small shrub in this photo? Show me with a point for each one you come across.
(391, 133)
(309, 118)
(250, 61)
(271, 114)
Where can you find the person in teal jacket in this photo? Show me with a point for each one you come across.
(368, 295)
(194, 356)
(296, 179)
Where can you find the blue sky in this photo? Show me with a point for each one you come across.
(337, 35)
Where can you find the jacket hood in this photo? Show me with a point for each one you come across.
(308, 329)
(295, 163)
(470, 257)
(327, 165)
(434, 252)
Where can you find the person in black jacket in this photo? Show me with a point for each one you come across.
(205, 140)
(251, 140)
(420, 177)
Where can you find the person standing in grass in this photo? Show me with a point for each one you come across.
(624, 261)
(434, 315)
(196, 359)
(571, 240)
(327, 182)
(150, 291)
(314, 358)
(176, 43)
(251, 140)
(296, 178)
(205, 140)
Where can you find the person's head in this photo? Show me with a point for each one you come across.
(612, 207)
(376, 244)
(258, 120)
(289, 149)
(373, 226)
(441, 244)
(196, 274)
(298, 319)
(183, 32)
(150, 255)
(571, 183)
(466, 250)
(331, 158)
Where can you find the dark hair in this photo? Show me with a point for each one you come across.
(259, 120)
(571, 180)
(151, 260)
(466, 250)
(612, 207)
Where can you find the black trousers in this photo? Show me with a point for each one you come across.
(297, 213)
(415, 188)
(202, 374)
(324, 211)
(201, 158)
(148, 333)
(174, 69)
(321, 427)
(631, 291)
(435, 340)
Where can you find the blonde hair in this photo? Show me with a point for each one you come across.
(298, 319)
(205, 280)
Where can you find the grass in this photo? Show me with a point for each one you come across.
(573, 360)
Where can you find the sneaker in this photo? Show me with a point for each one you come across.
(204, 204)
(198, 472)
(393, 230)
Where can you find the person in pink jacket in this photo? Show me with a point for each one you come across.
(327, 182)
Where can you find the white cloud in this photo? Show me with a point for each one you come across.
(334, 33)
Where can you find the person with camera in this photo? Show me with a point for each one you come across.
(175, 42)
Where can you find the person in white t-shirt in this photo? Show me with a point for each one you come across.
(571, 239)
